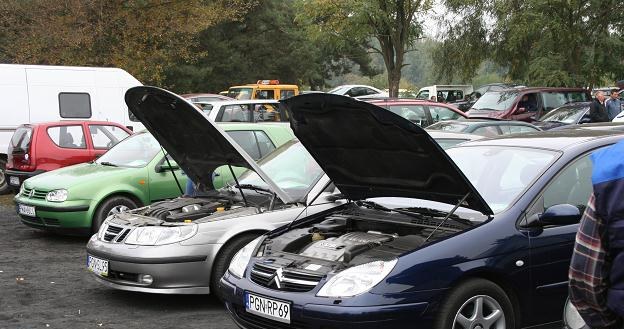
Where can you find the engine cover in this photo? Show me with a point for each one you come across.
(345, 247)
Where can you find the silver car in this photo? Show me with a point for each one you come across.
(184, 245)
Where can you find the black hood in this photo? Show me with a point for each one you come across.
(196, 144)
(368, 152)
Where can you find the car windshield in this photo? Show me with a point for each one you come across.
(291, 167)
(448, 126)
(135, 151)
(501, 173)
(569, 115)
(495, 101)
(240, 93)
(449, 142)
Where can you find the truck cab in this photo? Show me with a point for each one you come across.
(263, 89)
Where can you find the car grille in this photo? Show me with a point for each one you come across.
(289, 280)
(254, 321)
(116, 233)
(34, 193)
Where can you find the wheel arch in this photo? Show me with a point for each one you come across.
(127, 194)
(230, 240)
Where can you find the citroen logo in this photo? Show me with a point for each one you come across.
(278, 277)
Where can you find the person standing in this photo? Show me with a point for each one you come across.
(597, 109)
(597, 266)
(613, 104)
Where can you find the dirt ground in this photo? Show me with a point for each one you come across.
(44, 284)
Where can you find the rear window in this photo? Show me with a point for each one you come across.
(240, 93)
(555, 99)
(21, 138)
(69, 137)
(75, 105)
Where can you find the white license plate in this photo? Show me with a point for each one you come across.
(14, 181)
(26, 210)
(268, 308)
(97, 265)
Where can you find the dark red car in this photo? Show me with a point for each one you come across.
(41, 147)
(420, 112)
(525, 104)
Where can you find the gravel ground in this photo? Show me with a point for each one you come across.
(44, 284)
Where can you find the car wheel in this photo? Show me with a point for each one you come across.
(111, 206)
(476, 304)
(222, 261)
(4, 184)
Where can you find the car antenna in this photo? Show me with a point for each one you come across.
(172, 171)
(237, 184)
(450, 213)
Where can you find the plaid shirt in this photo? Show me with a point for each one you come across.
(589, 272)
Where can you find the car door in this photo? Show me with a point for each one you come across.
(551, 246)
(162, 183)
(532, 108)
(69, 147)
(102, 137)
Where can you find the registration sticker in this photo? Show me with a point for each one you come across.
(267, 307)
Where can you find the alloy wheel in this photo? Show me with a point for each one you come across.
(480, 312)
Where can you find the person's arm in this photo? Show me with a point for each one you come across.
(589, 271)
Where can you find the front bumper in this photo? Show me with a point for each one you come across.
(21, 176)
(175, 268)
(311, 312)
(70, 217)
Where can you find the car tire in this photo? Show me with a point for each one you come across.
(108, 207)
(223, 259)
(462, 305)
(4, 184)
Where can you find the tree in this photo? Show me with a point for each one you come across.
(142, 36)
(551, 43)
(392, 23)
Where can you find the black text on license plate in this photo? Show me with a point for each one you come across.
(268, 308)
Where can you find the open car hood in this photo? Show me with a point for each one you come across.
(368, 152)
(197, 145)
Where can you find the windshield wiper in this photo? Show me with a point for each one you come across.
(106, 163)
(255, 188)
(418, 213)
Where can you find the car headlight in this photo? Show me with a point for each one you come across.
(57, 195)
(241, 259)
(159, 235)
(571, 317)
(357, 280)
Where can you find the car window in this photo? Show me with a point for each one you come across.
(424, 94)
(106, 136)
(496, 101)
(448, 126)
(571, 186)
(370, 91)
(555, 99)
(413, 113)
(449, 142)
(488, 131)
(135, 151)
(70, 137)
(265, 94)
(240, 93)
(439, 113)
(235, 113)
(265, 144)
(266, 112)
(516, 129)
(566, 114)
(247, 140)
(286, 93)
(356, 92)
(75, 105)
(21, 138)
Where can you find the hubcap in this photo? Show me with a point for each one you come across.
(117, 209)
(480, 312)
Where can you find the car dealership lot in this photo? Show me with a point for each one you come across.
(44, 284)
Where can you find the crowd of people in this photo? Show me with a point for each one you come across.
(605, 109)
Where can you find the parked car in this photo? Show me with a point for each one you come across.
(465, 104)
(444, 93)
(358, 91)
(420, 112)
(76, 200)
(525, 104)
(203, 97)
(244, 111)
(478, 236)
(489, 128)
(40, 147)
(263, 89)
(449, 139)
(201, 234)
(569, 114)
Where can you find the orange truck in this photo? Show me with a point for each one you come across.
(263, 89)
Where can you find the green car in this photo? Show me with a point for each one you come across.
(76, 199)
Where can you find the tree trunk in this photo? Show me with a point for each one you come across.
(394, 78)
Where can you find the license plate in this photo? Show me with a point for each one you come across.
(97, 265)
(26, 210)
(267, 308)
(14, 180)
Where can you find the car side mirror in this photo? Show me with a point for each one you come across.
(521, 110)
(164, 167)
(557, 215)
(585, 120)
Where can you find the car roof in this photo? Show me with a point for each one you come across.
(530, 89)
(244, 101)
(557, 140)
(486, 122)
(72, 122)
(205, 95)
(408, 101)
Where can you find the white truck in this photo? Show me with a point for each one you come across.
(444, 93)
(39, 93)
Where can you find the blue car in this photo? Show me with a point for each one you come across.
(478, 237)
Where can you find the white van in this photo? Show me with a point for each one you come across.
(444, 93)
(38, 93)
